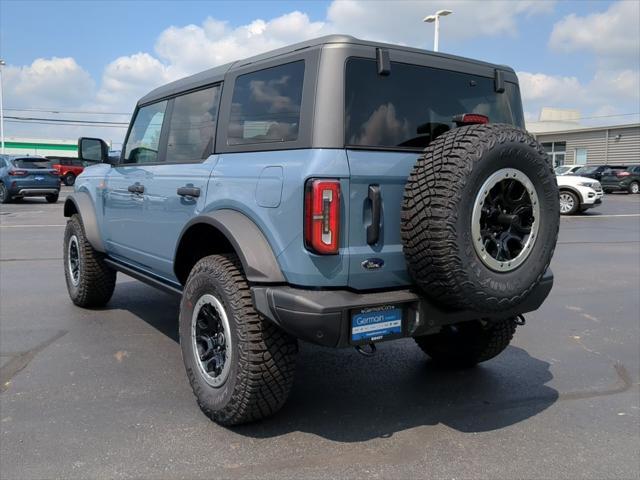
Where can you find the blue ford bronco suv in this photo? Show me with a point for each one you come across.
(337, 191)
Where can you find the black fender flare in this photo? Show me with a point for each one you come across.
(82, 203)
(253, 249)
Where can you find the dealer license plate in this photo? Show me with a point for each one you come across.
(376, 323)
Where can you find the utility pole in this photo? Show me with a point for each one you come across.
(2, 64)
(435, 18)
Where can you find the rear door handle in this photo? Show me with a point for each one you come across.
(136, 188)
(189, 192)
(373, 230)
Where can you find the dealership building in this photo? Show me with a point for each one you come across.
(568, 143)
(40, 146)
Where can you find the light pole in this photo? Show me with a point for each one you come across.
(2, 64)
(436, 18)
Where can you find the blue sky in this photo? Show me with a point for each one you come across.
(102, 55)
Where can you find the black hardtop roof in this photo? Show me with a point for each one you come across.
(217, 74)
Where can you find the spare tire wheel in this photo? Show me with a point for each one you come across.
(480, 217)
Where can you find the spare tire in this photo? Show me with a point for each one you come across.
(480, 217)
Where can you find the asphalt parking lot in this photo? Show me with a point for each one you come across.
(103, 394)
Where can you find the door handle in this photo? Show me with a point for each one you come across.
(373, 230)
(136, 188)
(189, 192)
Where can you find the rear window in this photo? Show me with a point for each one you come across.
(31, 163)
(415, 104)
(266, 105)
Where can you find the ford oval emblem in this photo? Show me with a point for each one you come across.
(372, 263)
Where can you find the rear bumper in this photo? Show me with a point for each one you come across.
(34, 192)
(324, 316)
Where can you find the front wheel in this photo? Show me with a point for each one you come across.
(634, 187)
(469, 343)
(90, 281)
(240, 365)
(569, 203)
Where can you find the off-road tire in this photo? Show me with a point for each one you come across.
(439, 198)
(634, 186)
(52, 198)
(4, 194)
(576, 203)
(467, 344)
(262, 355)
(69, 179)
(97, 281)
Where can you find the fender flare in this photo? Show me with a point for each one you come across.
(572, 190)
(253, 249)
(82, 203)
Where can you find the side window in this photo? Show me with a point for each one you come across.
(266, 105)
(144, 138)
(193, 125)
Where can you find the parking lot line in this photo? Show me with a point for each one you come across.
(30, 226)
(606, 216)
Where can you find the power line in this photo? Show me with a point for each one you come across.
(55, 122)
(65, 120)
(81, 112)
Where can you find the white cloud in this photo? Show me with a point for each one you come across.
(52, 82)
(194, 48)
(609, 92)
(128, 78)
(613, 35)
(401, 21)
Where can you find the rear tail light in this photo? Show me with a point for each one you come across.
(322, 216)
(18, 173)
(470, 119)
(623, 174)
(54, 173)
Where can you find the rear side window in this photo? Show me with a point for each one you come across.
(144, 137)
(415, 104)
(193, 125)
(266, 105)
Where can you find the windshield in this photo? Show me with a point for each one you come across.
(31, 163)
(414, 104)
(562, 169)
(586, 170)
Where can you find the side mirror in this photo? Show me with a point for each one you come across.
(93, 150)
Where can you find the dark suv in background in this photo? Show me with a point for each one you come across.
(596, 171)
(621, 178)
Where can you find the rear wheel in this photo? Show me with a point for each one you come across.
(569, 203)
(90, 282)
(69, 179)
(240, 365)
(469, 343)
(4, 194)
(634, 187)
(52, 198)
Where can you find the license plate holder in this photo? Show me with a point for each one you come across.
(375, 324)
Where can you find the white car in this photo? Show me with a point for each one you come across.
(577, 194)
(567, 169)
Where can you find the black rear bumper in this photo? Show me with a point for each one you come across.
(324, 316)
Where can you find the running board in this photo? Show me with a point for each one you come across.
(144, 277)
